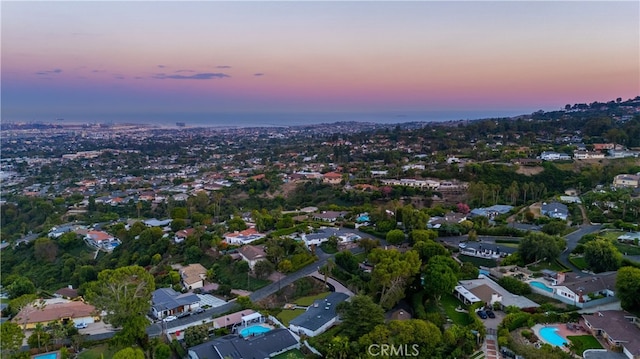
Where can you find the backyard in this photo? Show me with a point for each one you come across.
(102, 351)
(287, 315)
(307, 301)
(449, 303)
(584, 342)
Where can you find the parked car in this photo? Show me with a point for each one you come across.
(490, 314)
(184, 314)
(462, 245)
(81, 325)
(199, 310)
(170, 318)
(482, 314)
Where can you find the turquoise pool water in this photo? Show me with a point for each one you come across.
(550, 336)
(254, 330)
(53, 355)
(363, 218)
(541, 286)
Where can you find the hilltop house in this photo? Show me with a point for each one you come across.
(193, 276)
(332, 178)
(626, 180)
(101, 240)
(329, 216)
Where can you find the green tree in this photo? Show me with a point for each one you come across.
(285, 266)
(601, 255)
(423, 235)
(468, 271)
(263, 269)
(538, 246)
(11, 337)
(425, 335)
(391, 272)
(20, 286)
(395, 236)
(162, 351)
(39, 338)
(368, 244)
(129, 353)
(125, 295)
(628, 288)
(428, 249)
(195, 335)
(359, 316)
(439, 277)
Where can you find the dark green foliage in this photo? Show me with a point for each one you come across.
(514, 286)
(628, 288)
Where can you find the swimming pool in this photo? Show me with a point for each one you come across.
(52, 355)
(550, 336)
(540, 285)
(254, 330)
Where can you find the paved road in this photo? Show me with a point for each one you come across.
(572, 241)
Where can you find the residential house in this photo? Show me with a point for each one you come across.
(66, 293)
(408, 182)
(182, 234)
(490, 212)
(449, 218)
(621, 330)
(554, 156)
(252, 254)
(319, 317)
(243, 237)
(157, 223)
(578, 290)
(486, 290)
(101, 240)
(193, 276)
(627, 181)
(266, 345)
(555, 210)
(56, 232)
(166, 301)
(332, 178)
(329, 216)
(46, 311)
(323, 234)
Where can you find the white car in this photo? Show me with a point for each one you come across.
(81, 325)
(169, 318)
(462, 245)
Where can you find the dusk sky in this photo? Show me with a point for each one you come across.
(110, 60)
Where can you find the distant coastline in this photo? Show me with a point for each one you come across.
(239, 120)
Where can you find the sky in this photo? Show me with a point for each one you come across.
(111, 59)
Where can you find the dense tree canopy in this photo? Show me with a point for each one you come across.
(601, 255)
(628, 288)
(538, 246)
(359, 316)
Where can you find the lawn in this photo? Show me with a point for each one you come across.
(449, 303)
(584, 342)
(578, 262)
(288, 315)
(612, 235)
(102, 351)
(307, 301)
(553, 265)
(478, 261)
(627, 249)
(291, 354)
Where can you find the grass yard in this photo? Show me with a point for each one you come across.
(584, 342)
(291, 354)
(627, 249)
(307, 301)
(553, 265)
(449, 303)
(578, 262)
(478, 261)
(102, 351)
(611, 235)
(287, 315)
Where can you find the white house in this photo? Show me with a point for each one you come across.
(319, 317)
(193, 276)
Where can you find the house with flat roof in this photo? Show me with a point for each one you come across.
(323, 234)
(166, 301)
(266, 345)
(193, 276)
(243, 237)
(490, 292)
(620, 330)
(319, 317)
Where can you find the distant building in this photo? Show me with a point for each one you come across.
(554, 156)
(193, 276)
(243, 237)
(252, 254)
(626, 181)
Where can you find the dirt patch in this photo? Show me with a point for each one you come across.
(285, 190)
(301, 288)
(529, 170)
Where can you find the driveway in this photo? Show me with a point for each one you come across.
(572, 241)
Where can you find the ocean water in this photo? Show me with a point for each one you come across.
(254, 119)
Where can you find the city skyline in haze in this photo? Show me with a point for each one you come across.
(113, 60)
